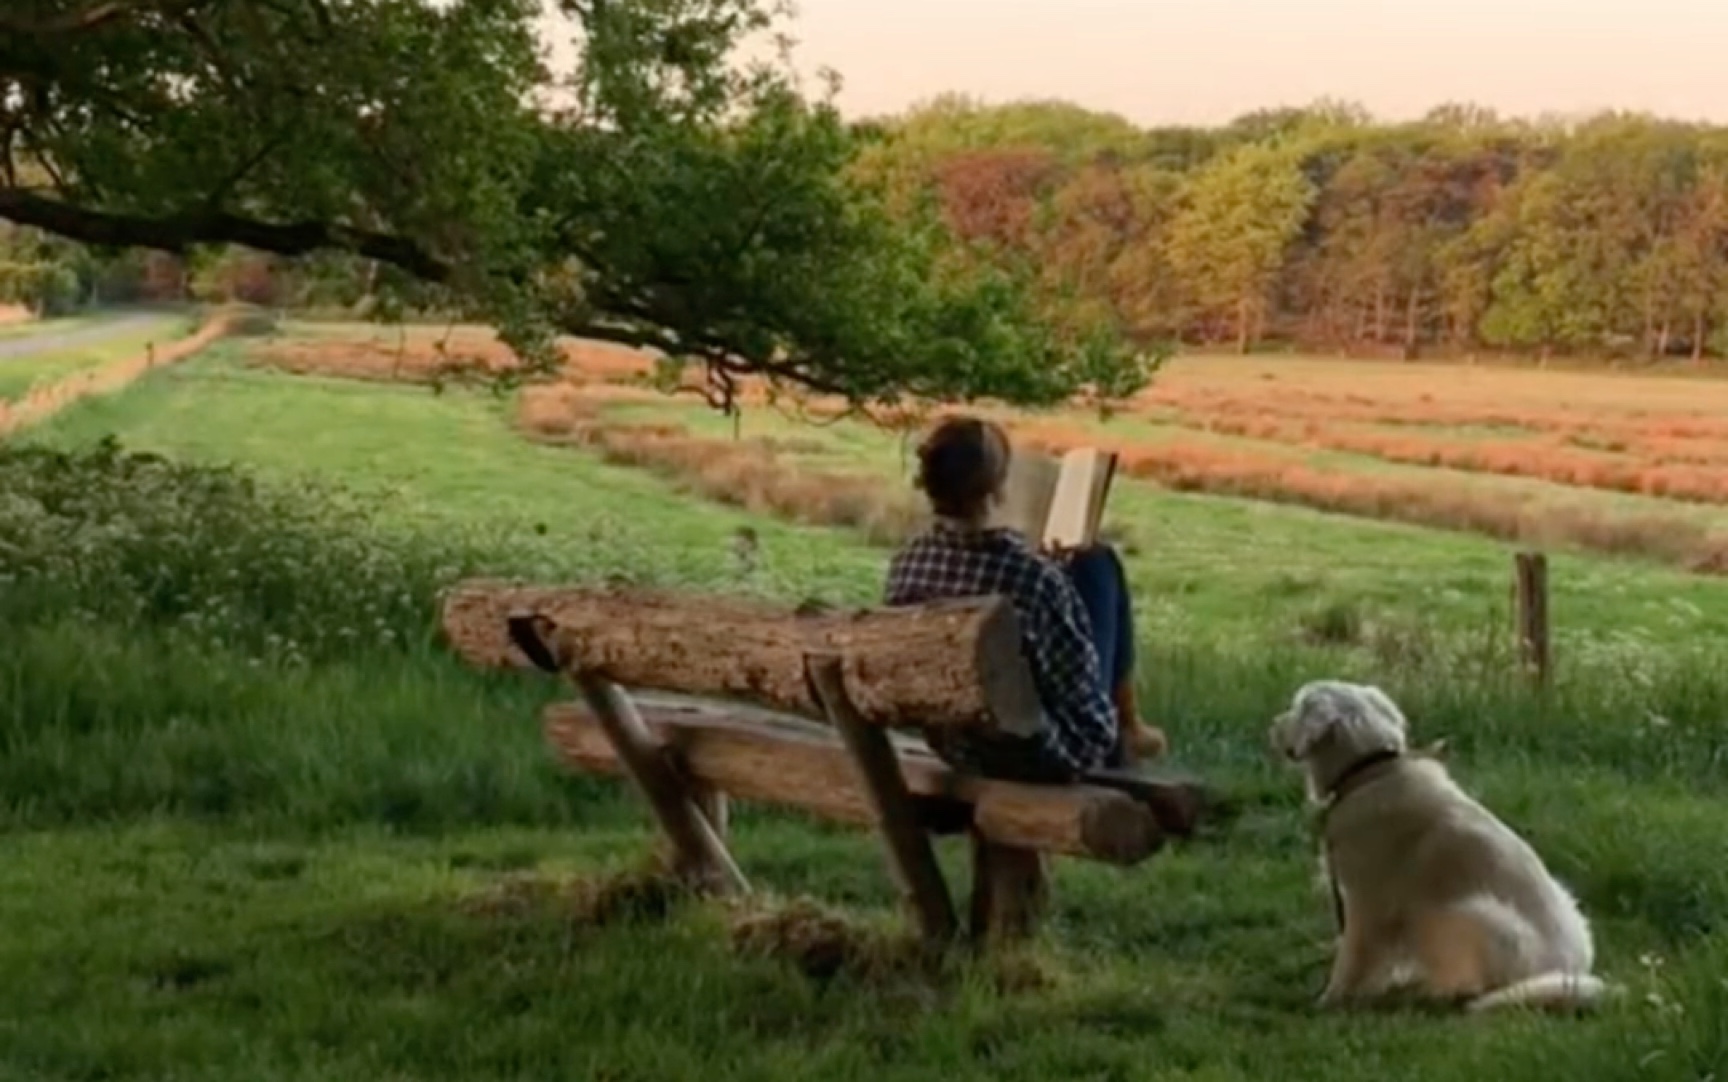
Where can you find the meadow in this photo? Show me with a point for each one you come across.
(256, 821)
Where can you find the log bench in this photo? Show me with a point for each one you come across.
(736, 699)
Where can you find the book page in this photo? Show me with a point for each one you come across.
(1078, 504)
(1101, 479)
(1027, 493)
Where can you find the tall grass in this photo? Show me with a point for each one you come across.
(757, 474)
(750, 475)
(208, 555)
(1674, 538)
(183, 639)
(1697, 479)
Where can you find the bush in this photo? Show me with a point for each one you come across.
(288, 572)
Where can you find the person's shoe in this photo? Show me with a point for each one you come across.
(1140, 741)
(1147, 742)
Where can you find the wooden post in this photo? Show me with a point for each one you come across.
(1009, 892)
(698, 849)
(1531, 591)
(907, 842)
(714, 806)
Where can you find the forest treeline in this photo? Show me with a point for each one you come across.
(1323, 229)
(1315, 228)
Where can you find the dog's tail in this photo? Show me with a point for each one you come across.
(1553, 991)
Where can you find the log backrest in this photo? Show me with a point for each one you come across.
(945, 664)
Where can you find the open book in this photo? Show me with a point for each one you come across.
(1057, 502)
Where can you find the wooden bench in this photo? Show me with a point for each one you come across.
(796, 709)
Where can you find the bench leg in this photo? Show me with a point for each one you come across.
(698, 846)
(713, 805)
(910, 855)
(1009, 892)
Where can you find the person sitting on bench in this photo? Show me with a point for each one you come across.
(1073, 607)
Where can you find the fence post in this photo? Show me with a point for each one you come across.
(1531, 591)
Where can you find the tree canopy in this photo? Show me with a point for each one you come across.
(678, 188)
(669, 191)
(1606, 236)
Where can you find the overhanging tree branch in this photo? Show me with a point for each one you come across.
(180, 232)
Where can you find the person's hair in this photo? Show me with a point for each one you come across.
(961, 465)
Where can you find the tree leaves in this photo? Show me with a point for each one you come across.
(668, 192)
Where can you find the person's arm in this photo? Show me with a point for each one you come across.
(894, 587)
(1070, 680)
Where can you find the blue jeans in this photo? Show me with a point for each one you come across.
(1102, 584)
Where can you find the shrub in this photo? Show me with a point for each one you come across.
(135, 540)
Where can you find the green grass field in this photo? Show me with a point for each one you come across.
(254, 820)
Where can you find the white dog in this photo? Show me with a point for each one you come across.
(1435, 892)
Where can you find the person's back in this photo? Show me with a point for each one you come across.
(962, 469)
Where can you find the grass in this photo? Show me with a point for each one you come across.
(30, 327)
(253, 823)
(19, 375)
(453, 462)
(1622, 466)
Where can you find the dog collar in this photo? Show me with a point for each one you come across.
(1352, 777)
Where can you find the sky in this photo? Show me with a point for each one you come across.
(1205, 61)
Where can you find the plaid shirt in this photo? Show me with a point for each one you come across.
(945, 563)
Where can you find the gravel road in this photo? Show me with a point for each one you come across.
(50, 340)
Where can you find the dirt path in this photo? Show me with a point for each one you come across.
(50, 340)
(49, 399)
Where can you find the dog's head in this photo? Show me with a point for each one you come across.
(1339, 723)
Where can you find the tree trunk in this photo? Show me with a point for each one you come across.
(1663, 335)
(1380, 312)
(1242, 305)
(1698, 330)
(1412, 322)
(954, 663)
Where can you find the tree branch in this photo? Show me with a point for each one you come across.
(180, 232)
(70, 22)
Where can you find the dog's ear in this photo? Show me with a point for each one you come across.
(1313, 721)
(1382, 704)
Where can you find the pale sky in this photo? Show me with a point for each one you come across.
(1204, 61)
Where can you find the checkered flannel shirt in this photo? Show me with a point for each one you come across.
(945, 562)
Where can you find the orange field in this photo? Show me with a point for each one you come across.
(1611, 463)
